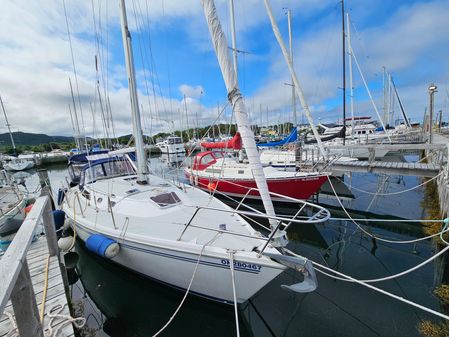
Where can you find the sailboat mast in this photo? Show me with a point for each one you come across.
(9, 126)
(234, 42)
(289, 20)
(404, 114)
(298, 87)
(351, 85)
(142, 169)
(344, 67)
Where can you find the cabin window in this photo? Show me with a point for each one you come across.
(166, 199)
(212, 170)
(107, 169)
(207, 159)
(114, 168)
(94, 172)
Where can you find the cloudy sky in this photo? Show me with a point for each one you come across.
(178, 76)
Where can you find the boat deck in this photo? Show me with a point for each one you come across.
(8, 199)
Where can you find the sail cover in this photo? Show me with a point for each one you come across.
(292, 137)
(233, 144)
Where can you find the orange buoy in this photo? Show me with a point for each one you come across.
(28, 208)
(211, 186)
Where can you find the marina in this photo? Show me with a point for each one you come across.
(224, 169)
(101, 280)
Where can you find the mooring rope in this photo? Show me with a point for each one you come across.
(44, 295)
(392, 193)
(433, 257)
(188, 288)
(231, 266)
(78, 322)
(399, 298)
(376, 237)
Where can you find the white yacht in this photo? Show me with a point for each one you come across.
(172, 146)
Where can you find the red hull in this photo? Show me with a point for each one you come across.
(298, 187)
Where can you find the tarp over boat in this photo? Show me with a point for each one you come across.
(292, 137)
(339, 134)
(235, 143)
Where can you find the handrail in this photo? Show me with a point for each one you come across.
(258, 215)
(15, 279)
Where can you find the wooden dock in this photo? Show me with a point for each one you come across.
(401, 168)
(437, 155)
(25, 279)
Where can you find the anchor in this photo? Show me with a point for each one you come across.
(302, 265)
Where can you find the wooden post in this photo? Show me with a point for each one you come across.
(50, 232)
(44, 180)
(24, 304)
(298, 156)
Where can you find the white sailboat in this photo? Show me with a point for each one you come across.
(177, 235)
(12, 209)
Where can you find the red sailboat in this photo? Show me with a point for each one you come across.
(212, 171)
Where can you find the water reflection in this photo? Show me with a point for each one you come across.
(141, 307)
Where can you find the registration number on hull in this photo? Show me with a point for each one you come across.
(242, 265)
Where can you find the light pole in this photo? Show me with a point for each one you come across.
(432, 90)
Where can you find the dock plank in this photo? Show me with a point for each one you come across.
(37, 259)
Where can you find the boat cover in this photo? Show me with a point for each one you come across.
(235, 143)
(292, 137)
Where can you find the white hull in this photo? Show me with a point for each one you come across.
(175, 267)
(172, 146)
(13, 209)
(285, 160)
(18, 165)
(172, 150)
(148, 237)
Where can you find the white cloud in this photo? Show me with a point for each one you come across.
(191, 91)
(35, 60)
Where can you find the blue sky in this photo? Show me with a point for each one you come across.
(409, 38)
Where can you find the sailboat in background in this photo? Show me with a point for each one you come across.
(12, 163)
(177, 235)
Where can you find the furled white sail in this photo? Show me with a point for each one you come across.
(235, 98)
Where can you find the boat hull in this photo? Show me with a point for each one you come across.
(18, 166)
(294, 187)
(212, 279)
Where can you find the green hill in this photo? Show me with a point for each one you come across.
(24, 138)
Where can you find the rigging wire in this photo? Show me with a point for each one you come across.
(393, 193)
(416, 305)
(74, 69)
(144, 56)
(368, 233)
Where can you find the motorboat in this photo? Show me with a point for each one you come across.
(172, 145)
